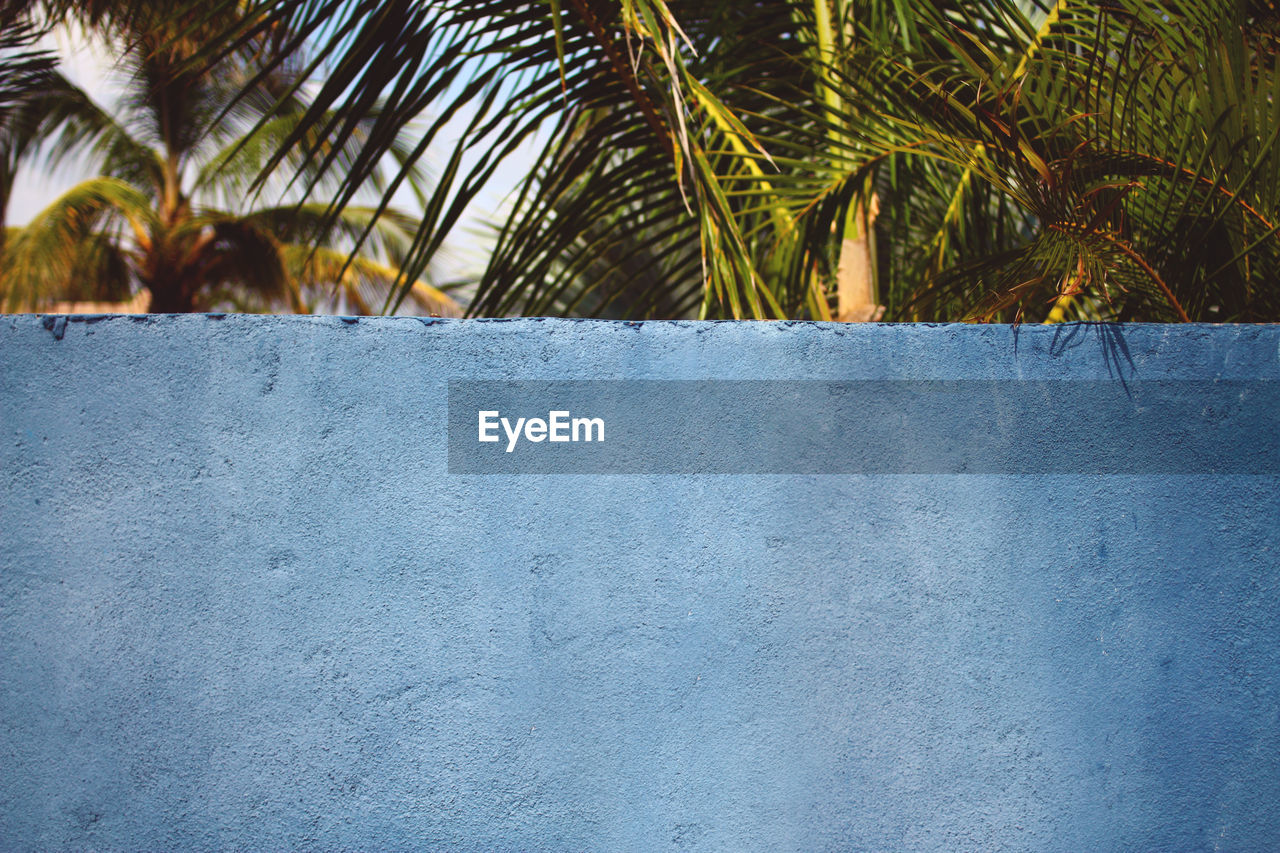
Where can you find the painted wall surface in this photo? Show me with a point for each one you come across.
(245, 604)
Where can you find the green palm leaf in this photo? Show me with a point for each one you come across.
(1112, 158)
(178, 207)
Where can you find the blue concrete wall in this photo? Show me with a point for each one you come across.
(243, 604)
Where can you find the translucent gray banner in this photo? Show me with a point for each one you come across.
(864, 427)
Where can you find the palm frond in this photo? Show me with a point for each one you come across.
(332, 280)
(64, 241)
(1117, 158)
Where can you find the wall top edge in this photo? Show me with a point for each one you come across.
(339, 321)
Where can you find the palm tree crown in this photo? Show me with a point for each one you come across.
(1111, 159)
(175, 208)
(928, 159)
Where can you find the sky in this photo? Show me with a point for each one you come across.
(90, 67)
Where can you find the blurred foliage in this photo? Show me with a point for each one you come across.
(1099, 159)
(177, 207)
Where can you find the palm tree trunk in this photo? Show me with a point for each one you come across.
(170, 301)
(169, 292)
(855, 275)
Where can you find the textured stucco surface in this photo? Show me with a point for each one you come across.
(243, 604)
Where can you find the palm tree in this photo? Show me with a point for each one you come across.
(1028, 159)
(175, 208)
(1103, 160)
(26, 68)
